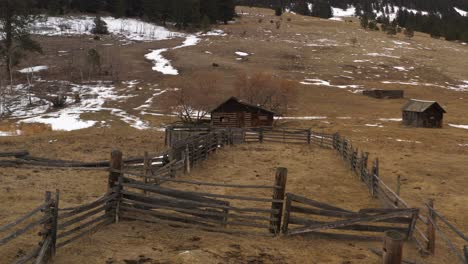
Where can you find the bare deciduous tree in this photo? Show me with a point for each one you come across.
(192, 98)
(267, 91)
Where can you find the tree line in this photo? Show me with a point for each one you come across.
(184, 13)
(439, 18)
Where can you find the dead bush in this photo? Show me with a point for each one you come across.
(267, 91)
(193, 97)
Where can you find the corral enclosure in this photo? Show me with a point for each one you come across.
(123, 204)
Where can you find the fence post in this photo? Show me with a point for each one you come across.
(260, 135)
(373, 178)
(146, 167)
(54, 227)
(431, 230)
(278, 194)
(393, 247)
(48, 211)
(287, 213)
(116, 166)
(187, 160)
(309, 136)
(465, 251)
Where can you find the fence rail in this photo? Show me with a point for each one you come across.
(148, 189)
(44, 215)
(424, 228)
(313, 217)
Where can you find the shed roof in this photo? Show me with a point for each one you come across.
(244, 104)
(421, 106)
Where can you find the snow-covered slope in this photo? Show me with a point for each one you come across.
(129, 29)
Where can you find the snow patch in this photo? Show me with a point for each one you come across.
(374, 125)
(320, 82)
(382, 55)
(34, 69)
(459, 126)
(242, 54)
(461, 12)
(349, 12)
(161, 64)
(125, 28)
(391, 119)
(300, 117)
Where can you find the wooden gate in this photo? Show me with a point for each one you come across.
(306, 216)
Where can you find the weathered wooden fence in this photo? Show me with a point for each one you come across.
(147, 189)
(44, 216)
(157, 196)
(308, 216)
(143, 197)
(425, 227)
(177, 134)
(76, 222)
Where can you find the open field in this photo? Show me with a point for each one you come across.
(318, 53)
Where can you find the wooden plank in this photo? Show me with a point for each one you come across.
(89, 231)
(41, 256)
(193, 196)
(343, 223)
(195, 210)
(200, 195)
(188, 203)
(83, 226)
(278, 195)
(300, 199)
(21, 219)
(340, 236)
(450, 244)
(87, 207)
(363, 228)
(443, 219)
(172, 217)
(75, 220)
(23, 230)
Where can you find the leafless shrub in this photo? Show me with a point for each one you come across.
(58, 101)
(192, 98)
(267, 91)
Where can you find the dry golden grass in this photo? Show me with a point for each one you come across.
(434, 168)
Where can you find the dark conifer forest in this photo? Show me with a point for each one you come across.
(184, 13)
(435, 17)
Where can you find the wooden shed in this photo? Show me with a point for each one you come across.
(235, 113)
(419, 113)
(384, 94)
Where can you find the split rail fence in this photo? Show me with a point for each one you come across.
(41, 220)
(147, 189)
(308, 216)
(425, 227)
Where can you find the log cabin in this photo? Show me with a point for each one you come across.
(236, 113)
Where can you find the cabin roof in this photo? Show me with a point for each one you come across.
(242, 104)
(421, 106)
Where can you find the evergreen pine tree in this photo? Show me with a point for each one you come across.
(100, 26)
(15, 38)
(364, 22)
